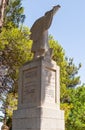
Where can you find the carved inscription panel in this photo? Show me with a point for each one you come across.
(29, 86)
(50, 85)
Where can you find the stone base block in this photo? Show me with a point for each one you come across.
(38, 119)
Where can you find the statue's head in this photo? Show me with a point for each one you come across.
(56, 8)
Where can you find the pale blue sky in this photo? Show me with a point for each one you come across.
(68, 26)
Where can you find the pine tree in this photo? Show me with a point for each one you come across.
(14, 13)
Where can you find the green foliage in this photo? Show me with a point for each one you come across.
(72, 71)
(15, 47)
(68, 70)
(11, 103)
(68, 82)
(15, 50)
(66, 107)
(76, 119)
(14, 13)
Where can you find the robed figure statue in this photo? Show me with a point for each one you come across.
(39, 33)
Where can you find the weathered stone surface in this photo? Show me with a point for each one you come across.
(38, 118)
(39, 33)
(39, 97)
(39, 84)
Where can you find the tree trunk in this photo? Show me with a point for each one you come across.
(3, 4)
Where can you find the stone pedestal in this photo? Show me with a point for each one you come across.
(39, 97)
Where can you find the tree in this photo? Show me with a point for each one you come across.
(15, 45)
(11, 101)
(68, 77)
(76, 118)
(14, 14)
(68, 70)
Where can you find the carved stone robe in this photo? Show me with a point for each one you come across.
(39, 33)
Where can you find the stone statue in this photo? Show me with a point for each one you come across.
(39, 33)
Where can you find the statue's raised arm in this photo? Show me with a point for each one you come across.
(39, 33)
